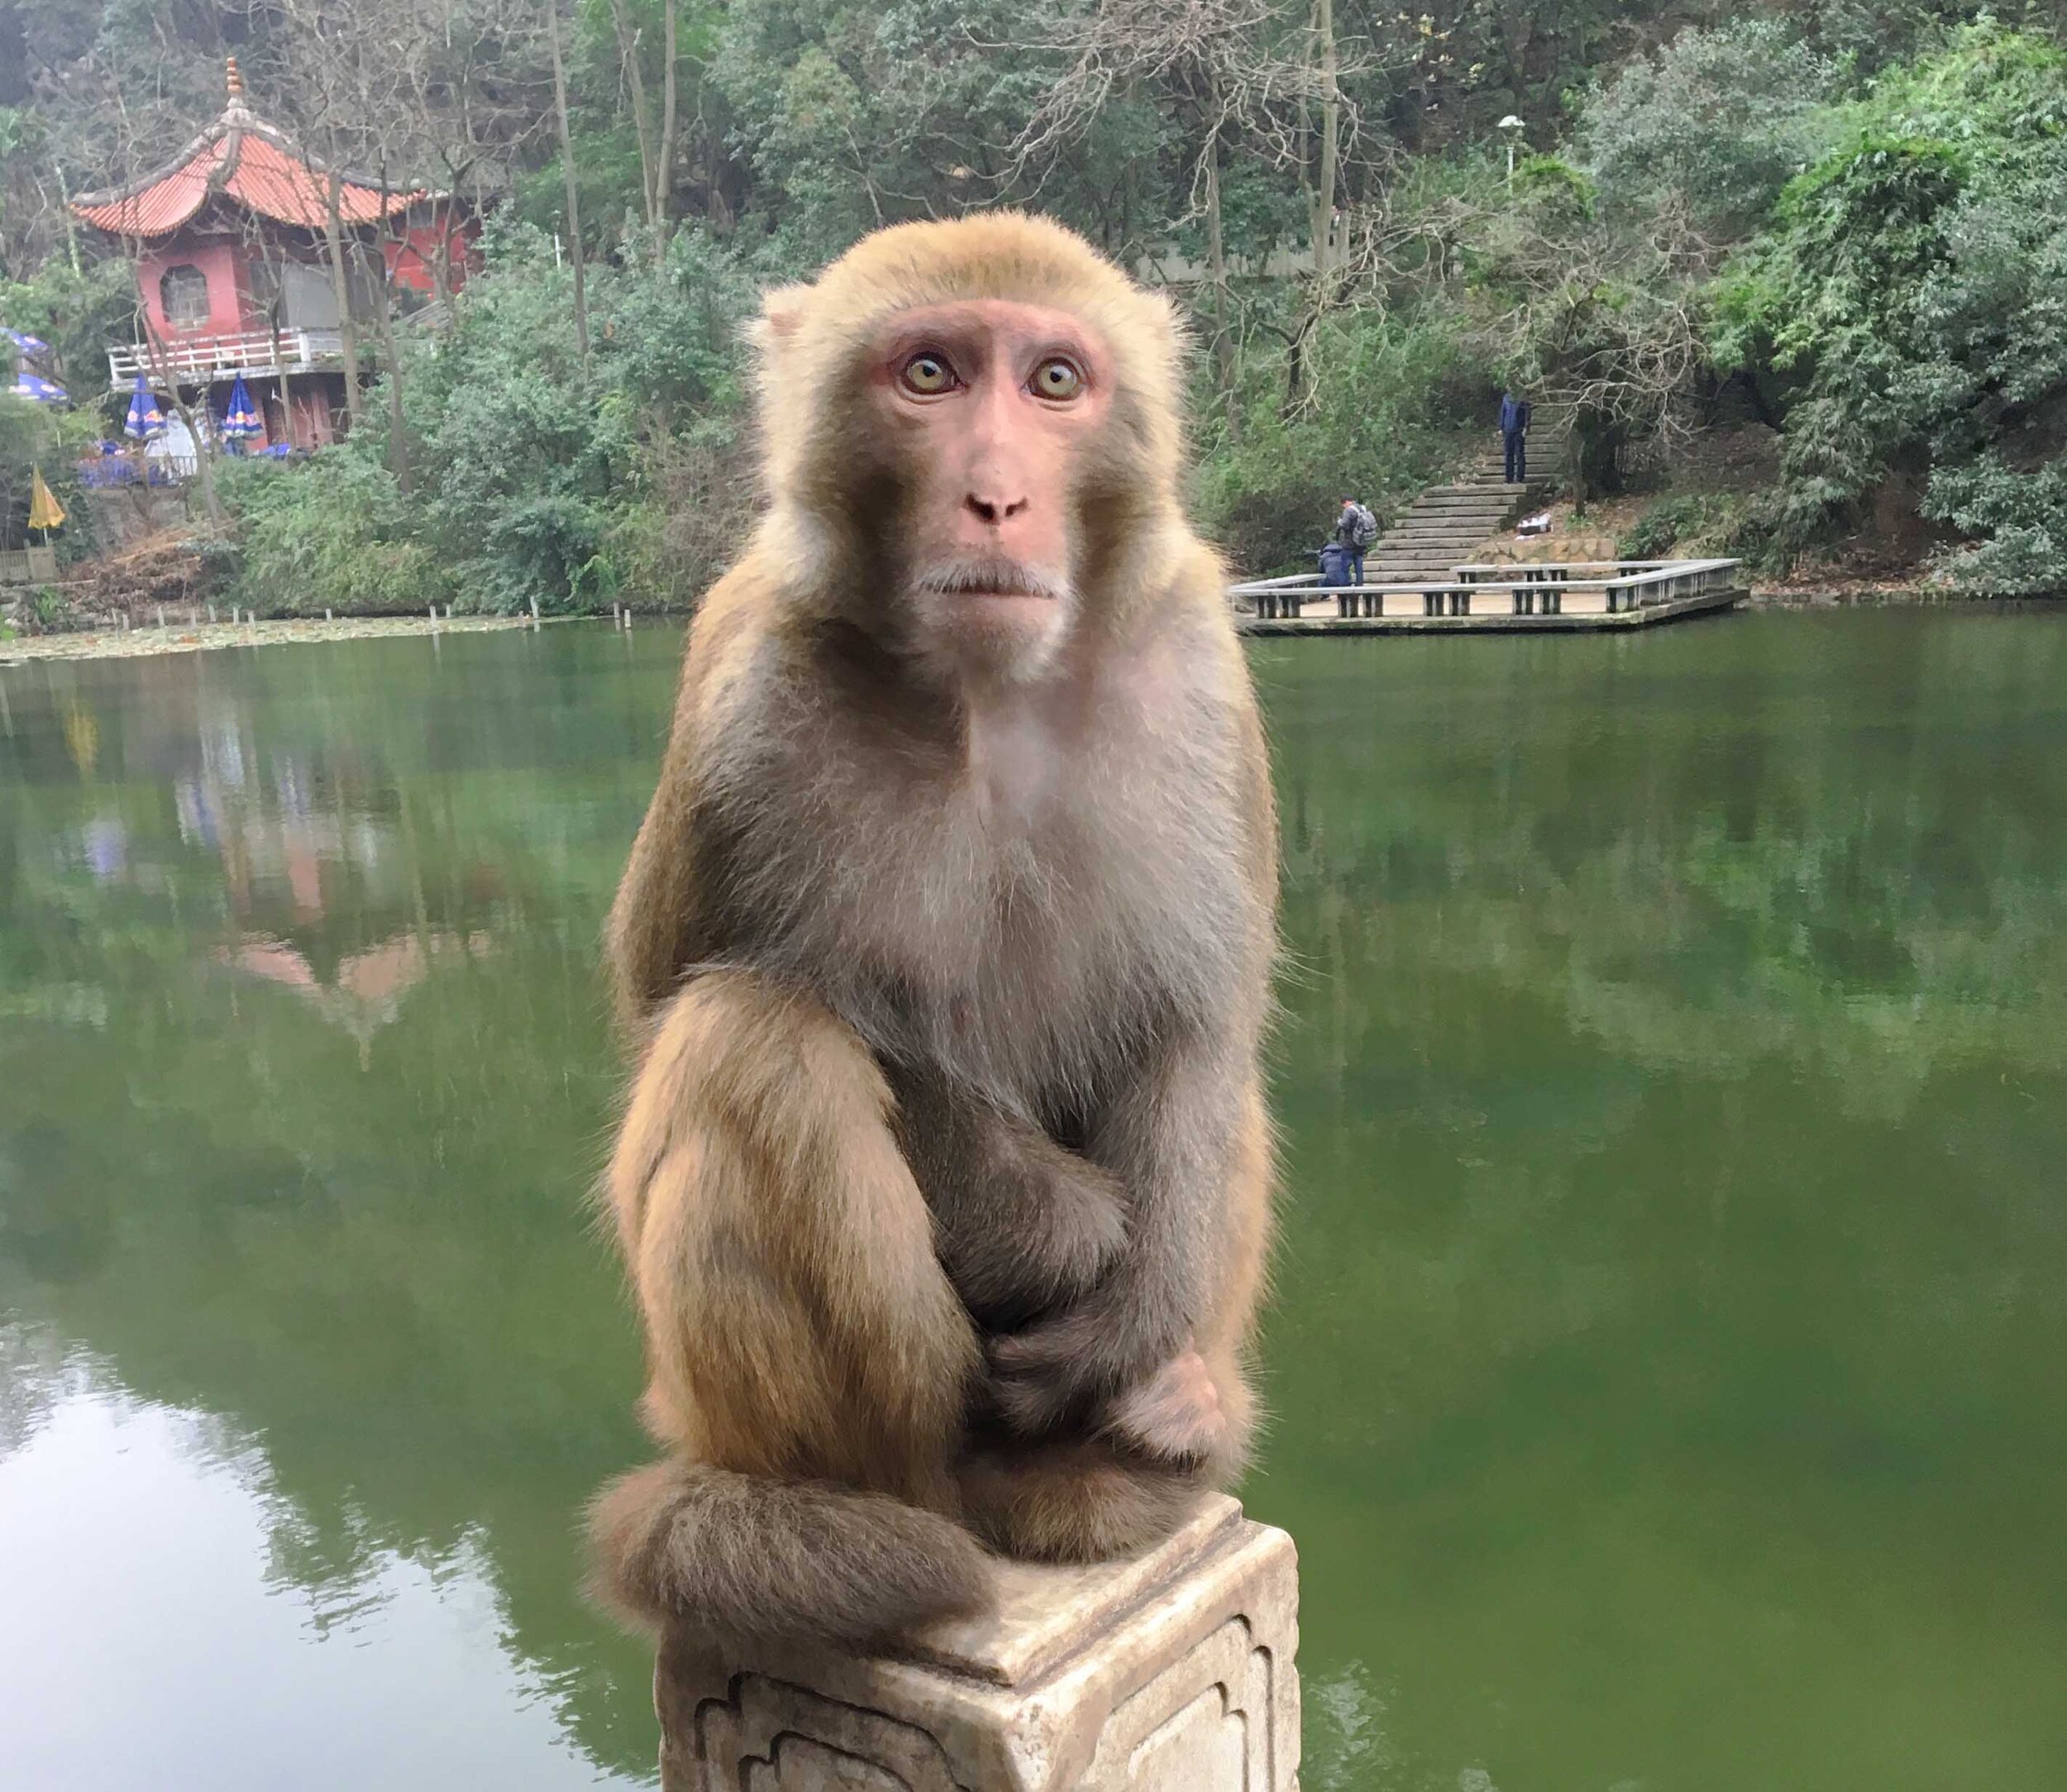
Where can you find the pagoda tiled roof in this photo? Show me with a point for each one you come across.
(243, 158)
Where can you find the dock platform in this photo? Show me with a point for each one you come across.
(1576, 597)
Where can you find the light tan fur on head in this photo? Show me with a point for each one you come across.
(808, 338)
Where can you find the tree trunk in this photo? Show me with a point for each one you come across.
(341, 285)
(664, 174)
(204, 464)
(1324, 194)
(398, 430)
(1216, 254)
(641, 118)
(574, 200)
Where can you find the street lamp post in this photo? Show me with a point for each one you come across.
(1512, 128)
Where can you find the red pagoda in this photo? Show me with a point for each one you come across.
(233, 272)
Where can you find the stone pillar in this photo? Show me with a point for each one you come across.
(1170, 1673)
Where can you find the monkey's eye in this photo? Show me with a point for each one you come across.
(926, 373)
(1057, 378)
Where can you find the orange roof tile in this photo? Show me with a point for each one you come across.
(244, 159)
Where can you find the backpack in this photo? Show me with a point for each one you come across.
(1366, 528)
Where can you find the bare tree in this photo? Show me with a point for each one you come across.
(1235, 76)
(657, 152)
(574, 197)
(1322, 181)
(395, 89)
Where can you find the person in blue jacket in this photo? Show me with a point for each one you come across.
(1514, 431)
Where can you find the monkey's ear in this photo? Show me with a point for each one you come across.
(782, 311)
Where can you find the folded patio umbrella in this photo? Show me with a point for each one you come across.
(144, 418)
(240, 420)
(45, 512)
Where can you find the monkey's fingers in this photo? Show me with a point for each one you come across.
(1049, 1372)
(1061, 1367)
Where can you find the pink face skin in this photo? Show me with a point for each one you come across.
(992, 402)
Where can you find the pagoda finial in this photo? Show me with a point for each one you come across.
(237, 81)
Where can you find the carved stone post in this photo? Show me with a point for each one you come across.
(1170, 1673)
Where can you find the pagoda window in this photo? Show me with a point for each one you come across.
(183, 293)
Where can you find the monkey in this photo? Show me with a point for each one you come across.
(944, 951)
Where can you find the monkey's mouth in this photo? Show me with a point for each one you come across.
(1006, 578)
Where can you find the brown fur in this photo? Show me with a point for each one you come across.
(944, 1180)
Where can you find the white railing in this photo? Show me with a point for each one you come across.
(197, 358)
(1607, 587)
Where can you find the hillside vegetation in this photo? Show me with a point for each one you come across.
(1831, 239)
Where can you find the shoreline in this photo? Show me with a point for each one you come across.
(285, 631)
(1895, 597)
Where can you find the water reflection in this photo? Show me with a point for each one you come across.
(1675, 1081)
(1664, 1365)
(391, 1675)
(305, 1078)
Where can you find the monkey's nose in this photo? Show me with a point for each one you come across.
(993, 510)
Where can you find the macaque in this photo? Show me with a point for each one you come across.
(946, 946)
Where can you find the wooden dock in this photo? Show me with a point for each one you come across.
(1573, 598)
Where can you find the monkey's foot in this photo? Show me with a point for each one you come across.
(1176, 1416)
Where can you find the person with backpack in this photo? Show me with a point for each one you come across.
(1514, 434)
(1335, 576)
(1356, 529)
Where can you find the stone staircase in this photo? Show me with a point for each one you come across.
(1443, 528)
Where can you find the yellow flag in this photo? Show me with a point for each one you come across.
(45, 511)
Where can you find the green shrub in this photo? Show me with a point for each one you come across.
(1658, 531)
(1380, 421)
(2021, 519)
(333, 533)
(536, 470)
(1909, 305)
(47, 610)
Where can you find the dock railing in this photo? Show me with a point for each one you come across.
(1603, 586)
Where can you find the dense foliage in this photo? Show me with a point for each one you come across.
(1843, 227)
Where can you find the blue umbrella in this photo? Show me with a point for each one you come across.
(32, 385)
(240, 420)
(29, 345)
(144, 418)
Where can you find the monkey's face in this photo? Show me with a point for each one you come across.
(992, 412)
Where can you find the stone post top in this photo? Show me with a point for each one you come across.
(1170, 1671)
(1045, 1612)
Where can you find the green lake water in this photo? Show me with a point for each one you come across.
(1668, 1363)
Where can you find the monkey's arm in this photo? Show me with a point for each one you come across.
(657, 926)
(1185, 1133)
(1022, 1224)
(1174, 1139)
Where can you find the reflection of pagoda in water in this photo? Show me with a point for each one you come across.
(366, 993)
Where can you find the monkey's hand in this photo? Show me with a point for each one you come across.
(1049, 1226)
(1022, 1224)
(1104, 1353)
